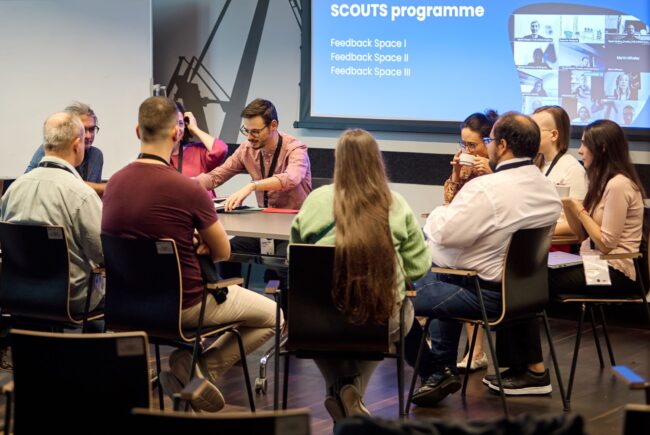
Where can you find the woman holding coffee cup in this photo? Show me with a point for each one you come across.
(471, 160)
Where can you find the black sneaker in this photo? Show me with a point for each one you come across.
(492, 379)
(526, 383)
(436, 387)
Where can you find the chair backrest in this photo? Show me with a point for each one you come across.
(35, 279)
(143, 286)
(525, 272)
(294, 422)
(64, 382)
(314, 322)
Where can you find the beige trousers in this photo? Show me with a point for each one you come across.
(255, 311)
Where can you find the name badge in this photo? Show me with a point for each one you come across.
(267, 247)
(596, 270)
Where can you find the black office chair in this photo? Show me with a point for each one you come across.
(35, 279)
(294, 421)
(524, 295)
(642, 268)
(144, 292)
(317, 329)
(78, 383)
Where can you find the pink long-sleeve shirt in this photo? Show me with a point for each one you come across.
(292, 170)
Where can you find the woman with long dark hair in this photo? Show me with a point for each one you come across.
(608, 221)
(379, 247)
(610, 218)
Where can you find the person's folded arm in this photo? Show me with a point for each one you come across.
(216, 239)
(573, 225)
(607, 235)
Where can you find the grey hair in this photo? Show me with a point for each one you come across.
(80, 109)
(60, 131)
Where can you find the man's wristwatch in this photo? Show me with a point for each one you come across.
(256, 184)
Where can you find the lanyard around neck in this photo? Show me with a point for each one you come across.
(506, 166)
(153, 157)
(274, 163)
(179, 168)
(555, 160)
(55, 165)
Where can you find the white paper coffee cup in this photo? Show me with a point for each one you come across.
(466, 159)
(563, 190)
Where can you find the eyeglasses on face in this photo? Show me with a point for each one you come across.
(92, 130)
(469, 146)
(252, 131)
(487, 140)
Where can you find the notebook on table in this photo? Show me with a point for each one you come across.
(559, 259)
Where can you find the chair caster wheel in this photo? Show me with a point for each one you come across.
(261, 385)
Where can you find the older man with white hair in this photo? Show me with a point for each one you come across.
(55, 194)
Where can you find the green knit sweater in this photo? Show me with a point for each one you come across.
(317, 213)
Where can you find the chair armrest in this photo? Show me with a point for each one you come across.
(460, 272)
(625, 255)
(224, 283)
(410, 293)
(272, 287)
(565, 240)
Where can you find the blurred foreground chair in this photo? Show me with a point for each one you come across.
(293, 422)
(78, 383)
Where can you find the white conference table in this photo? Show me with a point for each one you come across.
(257, 224)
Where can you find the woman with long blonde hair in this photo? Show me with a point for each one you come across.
(379, 246)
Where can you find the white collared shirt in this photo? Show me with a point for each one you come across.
(473, 231)
(53, 196)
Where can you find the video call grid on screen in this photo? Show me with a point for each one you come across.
(518, 56)
(595, 66)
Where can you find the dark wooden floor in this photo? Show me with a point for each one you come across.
(597, 396)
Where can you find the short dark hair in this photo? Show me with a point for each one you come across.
(155, 117)
(260, 107)
(481, 123)
(520, 132)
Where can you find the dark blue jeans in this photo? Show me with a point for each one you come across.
(442, 298)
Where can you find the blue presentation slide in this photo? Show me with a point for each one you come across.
(441, 61)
